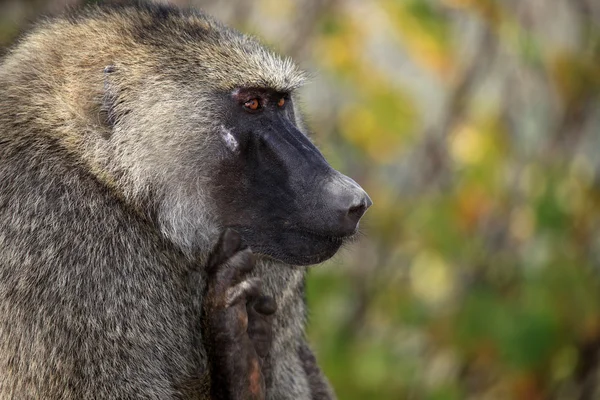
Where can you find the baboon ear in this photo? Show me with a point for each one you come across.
(108, 113)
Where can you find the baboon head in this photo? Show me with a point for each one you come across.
(202, 123)
(275, 187)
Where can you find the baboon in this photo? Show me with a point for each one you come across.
(159, 201)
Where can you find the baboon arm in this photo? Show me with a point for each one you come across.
(319, 386)
(238, 320)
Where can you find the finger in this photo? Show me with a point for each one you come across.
(233, 270)
(262, 343)
(228, 244)
(243, 291)
(260, 331)
(265, 305)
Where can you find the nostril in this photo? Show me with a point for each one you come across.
(347, 203)
(356, 212)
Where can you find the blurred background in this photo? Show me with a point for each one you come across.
(475, 127)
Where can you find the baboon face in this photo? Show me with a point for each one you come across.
(275, 187)
(202, 135)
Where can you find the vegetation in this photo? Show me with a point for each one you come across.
(475, 127)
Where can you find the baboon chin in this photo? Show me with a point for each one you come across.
(131, 138)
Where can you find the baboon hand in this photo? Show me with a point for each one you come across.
(237, 322)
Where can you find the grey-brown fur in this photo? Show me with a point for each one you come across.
(104, 217)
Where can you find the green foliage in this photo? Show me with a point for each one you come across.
(473, 125)
(489, 261)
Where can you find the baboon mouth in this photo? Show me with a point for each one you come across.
(293, 246)
(326, 236)
(299, 260)
(306, 247)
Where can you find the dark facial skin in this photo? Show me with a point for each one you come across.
(275, 187)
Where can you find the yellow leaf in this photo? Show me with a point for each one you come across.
(431, 278)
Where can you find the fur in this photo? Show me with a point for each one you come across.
(108, 136)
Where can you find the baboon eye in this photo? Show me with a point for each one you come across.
(281, 102)
(252, 104)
